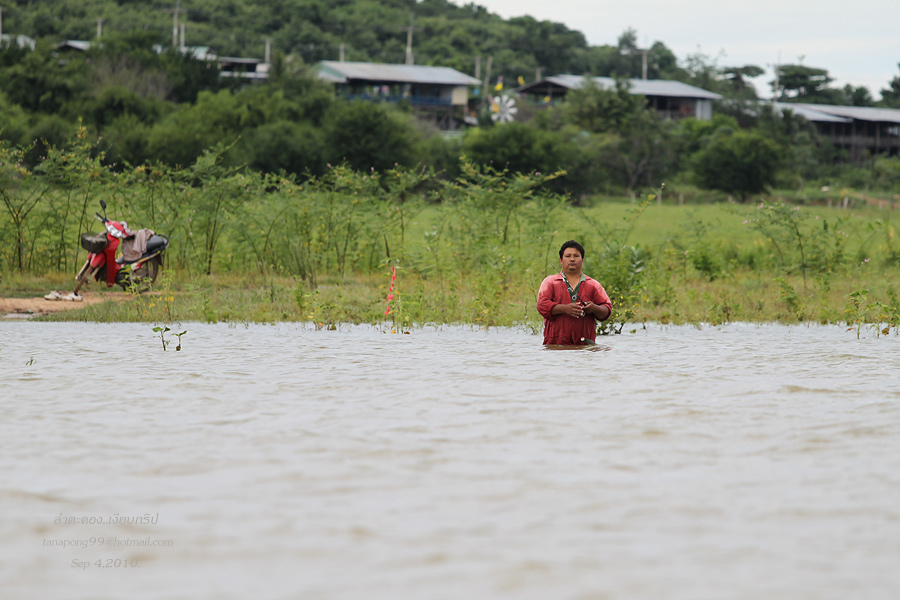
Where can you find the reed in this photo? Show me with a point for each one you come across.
(252, 248)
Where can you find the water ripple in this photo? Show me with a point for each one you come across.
(739, 461)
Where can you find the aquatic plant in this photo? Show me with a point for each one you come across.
(162, 330)
(879, 316)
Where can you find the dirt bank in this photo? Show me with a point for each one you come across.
(12, 308)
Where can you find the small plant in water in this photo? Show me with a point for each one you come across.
(162, 336)
(887, 316)
(162, 330)
(178, 335)
(858, 310)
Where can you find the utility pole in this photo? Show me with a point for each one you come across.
(175, 22)
(99, 28)
(478, 67)
(341, 52)
(409, 37)
(183, 25)
(643, 52)
(268, 51)
(776, 67)
(487, 81)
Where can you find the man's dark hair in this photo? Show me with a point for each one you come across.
(571, 244)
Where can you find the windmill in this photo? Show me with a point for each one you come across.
(503, 109)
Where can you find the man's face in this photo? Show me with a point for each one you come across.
(571, 261)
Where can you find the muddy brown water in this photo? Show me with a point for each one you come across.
(280, 461)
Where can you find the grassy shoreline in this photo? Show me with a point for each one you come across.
(475, 264)
(750, 297)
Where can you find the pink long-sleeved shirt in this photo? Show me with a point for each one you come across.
(563, 329)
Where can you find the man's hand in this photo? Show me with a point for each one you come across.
(598, 310)
(573, 310)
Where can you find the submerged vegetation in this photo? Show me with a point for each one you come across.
(250, 247)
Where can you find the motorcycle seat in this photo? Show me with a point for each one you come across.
(155, 244)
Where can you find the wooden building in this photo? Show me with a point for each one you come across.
(245, 69)
(860, 130)
(436, 94)
(672, 99)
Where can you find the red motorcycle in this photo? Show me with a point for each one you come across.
(139, 264)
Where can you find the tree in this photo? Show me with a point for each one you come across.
(369, 136)
(804, 153)
(890, 96)
(625, 59)
(514, 147)
(13, 121)
(704, 72)
(857, 96)
(40, 83)
(662, 63)
(299, 84)
(599, 110)
(798, 83)
(283, 146)
(637, 148)
(742, 163)
(737, 77)
(20, 193)
(557, 45)
(645, 150)
(181, 138)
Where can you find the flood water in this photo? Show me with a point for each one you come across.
(740, 461)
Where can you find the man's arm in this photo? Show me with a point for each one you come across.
(599, 307)
(600, 312)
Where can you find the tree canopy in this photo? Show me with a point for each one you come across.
(147, 102)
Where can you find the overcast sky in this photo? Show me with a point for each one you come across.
(857, 41)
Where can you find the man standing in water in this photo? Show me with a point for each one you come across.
(570, 302)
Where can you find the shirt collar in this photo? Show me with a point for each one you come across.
(563, 276)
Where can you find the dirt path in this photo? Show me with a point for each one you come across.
(24, 308)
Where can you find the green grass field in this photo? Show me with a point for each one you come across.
(701, 264)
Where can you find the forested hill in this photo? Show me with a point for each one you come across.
(444, 33)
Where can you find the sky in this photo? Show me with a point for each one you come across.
(857, 41)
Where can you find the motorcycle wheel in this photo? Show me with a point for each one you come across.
(144, 276)
(149, 271)
(153, 266)
(123, 279)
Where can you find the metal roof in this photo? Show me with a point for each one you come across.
(20, 41)
(342, 72)
(74, 44)
(645, 87)
(858, 113)
(809, 112)
(240, 61)
(198, 52)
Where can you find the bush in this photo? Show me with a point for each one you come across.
(369, 136)
(741, 164)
